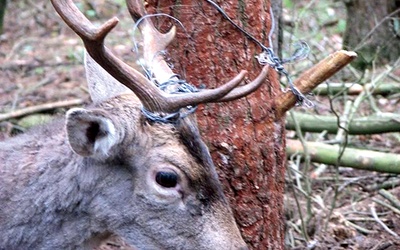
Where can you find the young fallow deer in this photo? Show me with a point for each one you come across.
(108, 169)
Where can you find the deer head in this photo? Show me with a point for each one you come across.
(114, 171)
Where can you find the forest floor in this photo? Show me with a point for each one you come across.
(41, 63)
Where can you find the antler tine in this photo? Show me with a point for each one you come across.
(249, 88)
(155, 42)
(151, 97)
(93, 39)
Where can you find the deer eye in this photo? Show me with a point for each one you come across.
(167, 179)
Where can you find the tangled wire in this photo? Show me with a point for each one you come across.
(267, 56)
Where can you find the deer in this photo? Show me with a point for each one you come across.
(108, 169)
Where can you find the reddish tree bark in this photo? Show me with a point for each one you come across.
(245, 139)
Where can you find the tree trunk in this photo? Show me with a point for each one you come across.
(373, 31)
(245, 140)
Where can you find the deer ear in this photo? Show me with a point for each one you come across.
(101, 84)
(90, 132)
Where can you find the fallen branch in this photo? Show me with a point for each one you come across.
(354, 158)
(360, 228)
(388, 196)
(40, 108)
(356, 89)
(313, 77)
(380, 222)
(374, 124)
(382, 203)
(388, 184)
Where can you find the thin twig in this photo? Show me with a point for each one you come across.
(362, 219)
(388, 184)
(17, 46)
(29, 65)
(359, 228)
(349, 182)
(303, 225)
(307, 163)
(40, 108)
(42, 83)
(385, 194)
(344, 121)
(382, 203)
(387, 229)
(382, 245)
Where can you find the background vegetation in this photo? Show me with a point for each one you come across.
(333, 199)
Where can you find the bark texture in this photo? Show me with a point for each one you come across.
(245, 138)
(373, 31)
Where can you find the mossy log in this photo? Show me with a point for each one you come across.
(354, 158)
(374, 124)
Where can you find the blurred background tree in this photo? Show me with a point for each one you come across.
(373, 31)
(3, 5)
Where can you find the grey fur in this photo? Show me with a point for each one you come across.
(57, 195)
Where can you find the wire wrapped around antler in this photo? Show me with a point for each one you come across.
(152, 98)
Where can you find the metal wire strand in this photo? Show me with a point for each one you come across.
(178, 85)
(267, 56)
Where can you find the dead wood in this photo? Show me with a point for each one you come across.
(354, 158)
(384, 89)
(40, 108)
(313, 77)
(374, 124)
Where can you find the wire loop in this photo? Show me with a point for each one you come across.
(174, 85)
(267, 56)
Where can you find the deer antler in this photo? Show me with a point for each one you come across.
(152, 98)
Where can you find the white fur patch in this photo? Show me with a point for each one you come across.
(105, 143)
(101, 84)
(79, 122)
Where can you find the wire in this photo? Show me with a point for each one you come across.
(267, 56)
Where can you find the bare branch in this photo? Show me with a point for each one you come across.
(313, 77)
(40, 108)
